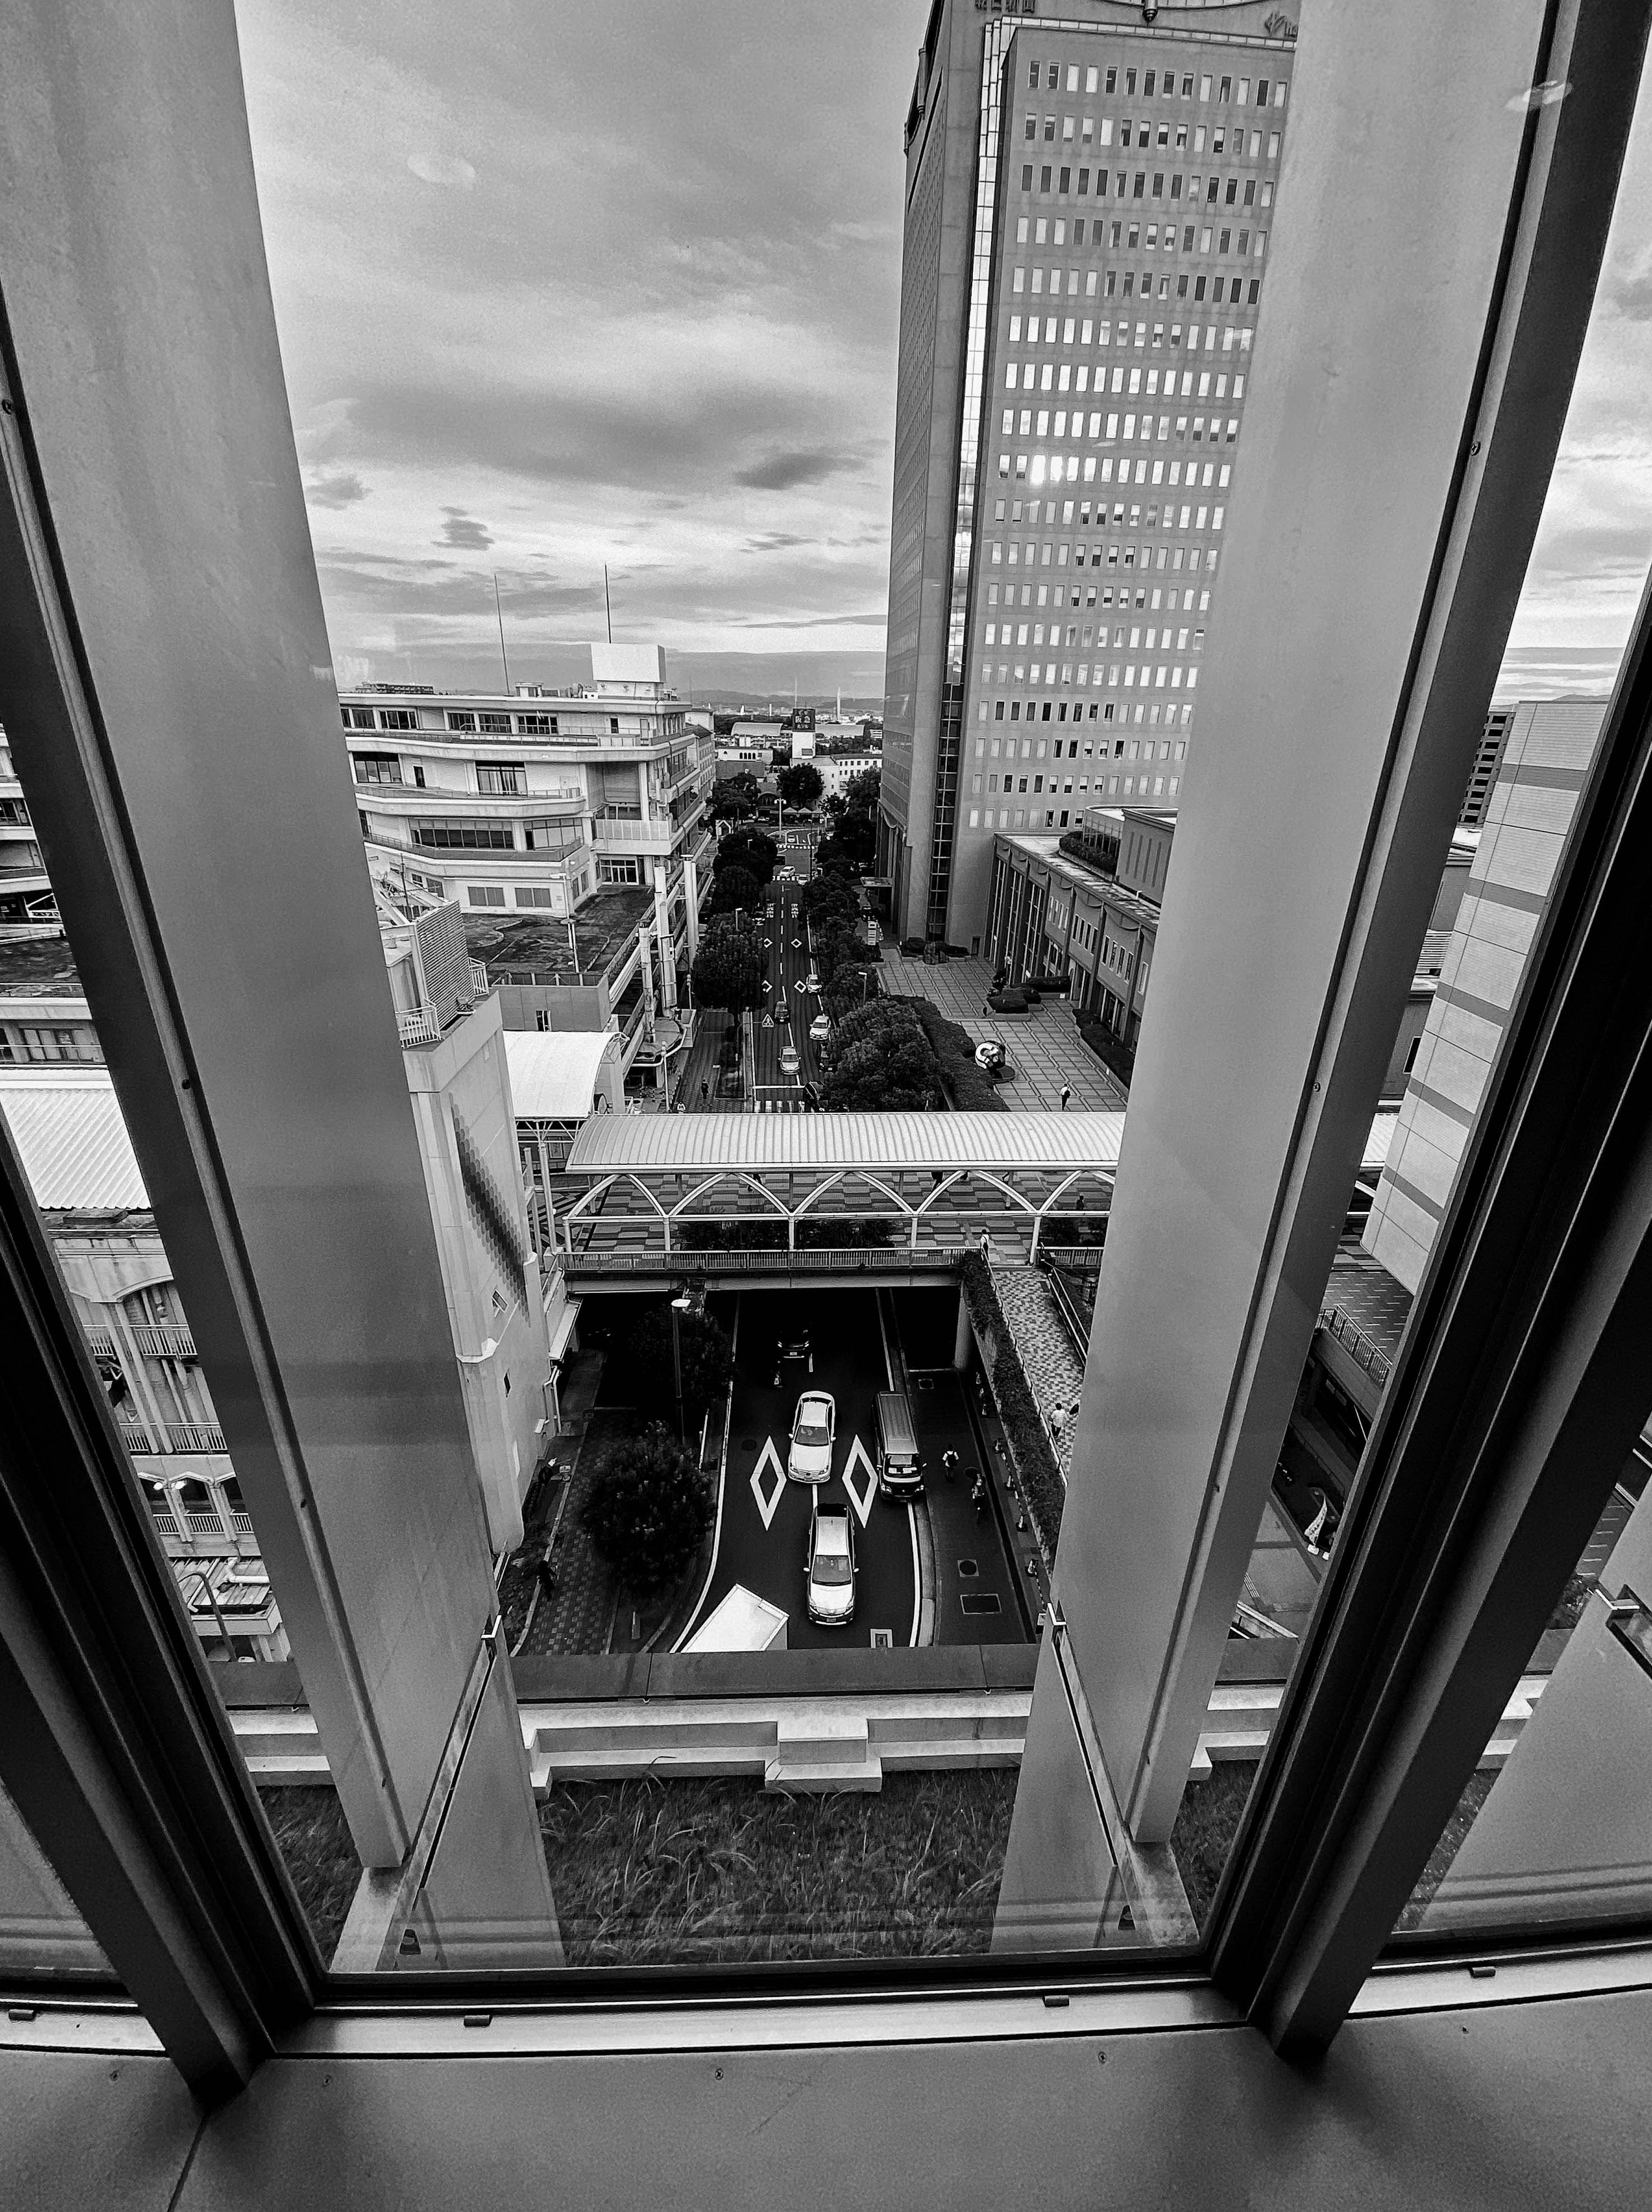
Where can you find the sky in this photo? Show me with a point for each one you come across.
(558, 286)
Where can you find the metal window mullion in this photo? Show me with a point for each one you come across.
(1515, 1399)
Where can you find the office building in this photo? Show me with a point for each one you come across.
(1088, 207)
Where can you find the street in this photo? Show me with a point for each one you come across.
(787, 965)
(764, 1522)
(859, 1340)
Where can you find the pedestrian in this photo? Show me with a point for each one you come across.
(987, 1246)
(1066, 1093)
(705, 1091)
(950, 1463)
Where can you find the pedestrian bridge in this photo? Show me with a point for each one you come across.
(833, 1193)
(896, 1195)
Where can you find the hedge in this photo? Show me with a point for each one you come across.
(1031, 1449)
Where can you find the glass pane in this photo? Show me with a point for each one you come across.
(766, 1074)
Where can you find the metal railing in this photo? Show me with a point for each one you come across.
(164, 1343)
(420, 1027)
(1081, 1257)
(205, 1524)
(896, 1260)
(136, 1437)
(195, 1436)
(1363, 1350)
(100, 1344)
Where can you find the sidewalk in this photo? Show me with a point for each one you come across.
(1043, 1046)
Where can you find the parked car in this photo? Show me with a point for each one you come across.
(790, 1062)
(813, 1427)
(831, 1567)
(820, 1028)
(989, 1055)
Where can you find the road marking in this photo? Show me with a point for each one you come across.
(722, 1486)
(858, 1457)
(770, 1505)
(917, 1576)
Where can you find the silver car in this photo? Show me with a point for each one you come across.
(831, 1567)
(813, 1428)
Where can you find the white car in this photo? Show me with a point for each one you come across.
(820, 1030)
(831, 1569)
(813, 1427)
(790, 1062)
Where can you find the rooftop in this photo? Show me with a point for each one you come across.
(1091, 882)
(553, 1073)
(39, 968)
(537, 944)
(757, 1141)
(1373, 1299)
(66, 1123)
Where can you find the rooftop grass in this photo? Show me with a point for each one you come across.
(688, 1873)
(316, 1849)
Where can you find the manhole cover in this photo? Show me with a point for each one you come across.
(883, 1639)
(925, 1383)
(968, 1566)
(981, 1602)
(748, 1444)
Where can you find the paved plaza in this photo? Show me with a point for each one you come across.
(1044, 1046)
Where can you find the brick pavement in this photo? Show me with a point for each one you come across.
(1052, 1368)
(1044, 1046)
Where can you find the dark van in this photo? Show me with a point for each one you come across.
(900, 1470)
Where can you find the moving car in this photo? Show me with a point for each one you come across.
(813, 1427)
(831, 1569)
(900, 1470)
(820, 1028)
(790, 1062)
(989, 1055)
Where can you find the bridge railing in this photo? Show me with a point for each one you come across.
(880, 1259)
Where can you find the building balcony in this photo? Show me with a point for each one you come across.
(193, 1436)
(171, 1343)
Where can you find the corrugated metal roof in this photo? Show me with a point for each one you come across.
(67, 1126)
(756, 1141)
(553, 1073)
(613, 1143)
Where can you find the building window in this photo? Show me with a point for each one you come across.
(485, 893)
(397, 718)
(535, 895)
(610, 871)
(376, 768)
(502, 778)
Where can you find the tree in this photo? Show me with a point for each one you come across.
(731, 888)
(728, 969)
(829, 900)
(647, 1511)
(708, 1363)
(882, 1061)
(801, 784)
(733, 798)
(862, 792)
(749, 849)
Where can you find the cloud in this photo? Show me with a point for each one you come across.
(464, 530)
(341, 491)
(442, 169)
(785, 471)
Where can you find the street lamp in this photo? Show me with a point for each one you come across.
(682, 1303)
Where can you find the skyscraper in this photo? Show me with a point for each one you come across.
(1090, 190)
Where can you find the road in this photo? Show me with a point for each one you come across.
(786, 940)
(764, 1522)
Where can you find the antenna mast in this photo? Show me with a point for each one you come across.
(500, 611)
(607, 603)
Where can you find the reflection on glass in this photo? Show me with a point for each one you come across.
(40, 1931)
(1553, 1827)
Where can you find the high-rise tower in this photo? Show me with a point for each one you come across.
(1090, 190)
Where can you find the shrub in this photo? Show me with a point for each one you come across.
(647, 1512)
(1029, 1439)
(882, 1061)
